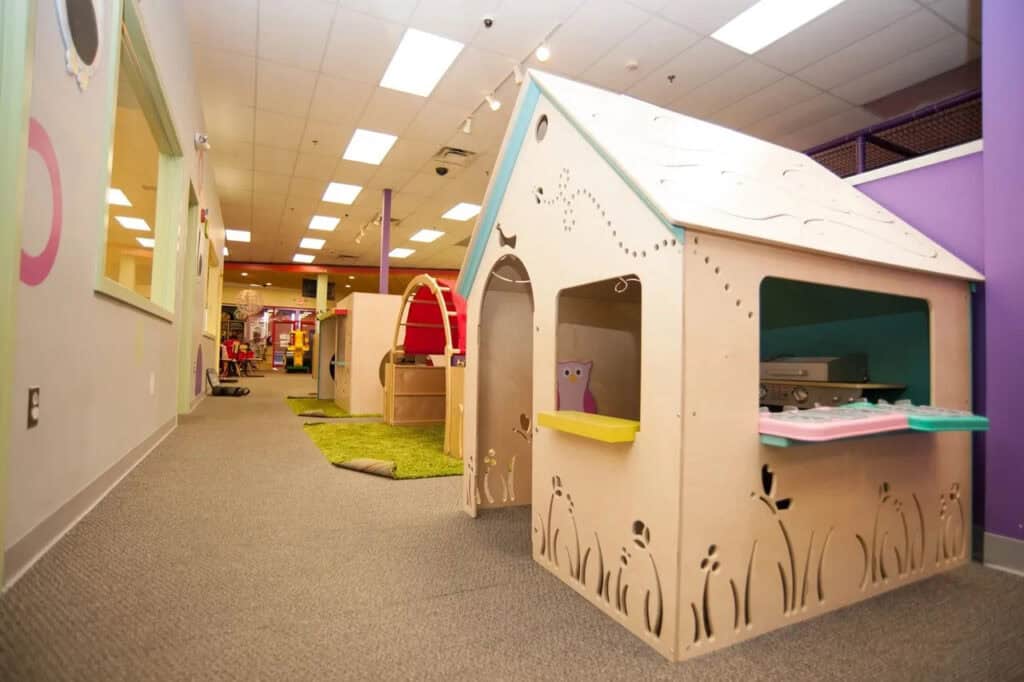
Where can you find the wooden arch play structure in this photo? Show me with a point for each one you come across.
(419, 388)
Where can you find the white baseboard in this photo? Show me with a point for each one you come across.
(1004, 553)
(20, 556)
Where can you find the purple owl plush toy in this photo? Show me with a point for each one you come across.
(574, 387)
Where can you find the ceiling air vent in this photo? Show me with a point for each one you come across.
(453, 156)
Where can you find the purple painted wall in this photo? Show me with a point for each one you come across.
(1002, 117)
(945, 201)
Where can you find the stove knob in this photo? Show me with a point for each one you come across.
(800, 394)
(763, 392)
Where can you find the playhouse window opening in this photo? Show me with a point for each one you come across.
(598, 348)
(827, 345)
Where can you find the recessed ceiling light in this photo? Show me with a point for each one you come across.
(237, 235)
(367, 146)
(324, 223)
(494, 104)
(348, 286)
(303, 258)
(254, 284)
(769, 20)
(116, 197)
(426, 236)
(340, 193)
(419, 62)
(351, 276)
(401, 253)
(311, 243)
(148, 242)
(133, 223)
(543, 53)
(462, 211)
(245, 274)
(268, 284)
(225, 251)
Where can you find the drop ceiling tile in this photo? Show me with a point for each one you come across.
(424, 184)
(397, 11)
(232, 154)
(306, 189)
(228, 24)
(410, 154)
(291, 37)
(226, 77)
(274, 160)
(329, 139)
(278, 130)
(770, 100)
(353, 173)
(702, 16)
(456, 19)
(911, 33)
(270, 183)
(520, 26)
(849, 121)
(235, 213)
(228, 123)
(964, 14)
(842, 25)
(283, 89)
(952, 51)
(233, 179)
(390, 111)
(339, 100)
(388, 178)
(746, 78)
(474, 74)
(435, 121)
(692, 67)
(594, 28)
(805, 113)
(649, 5)
(403, 205)
(235, 194)
(361, 46)
(650, 46)
(315, 166)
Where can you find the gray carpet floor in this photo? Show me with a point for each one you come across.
(235, 552)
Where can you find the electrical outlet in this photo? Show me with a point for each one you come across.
(33, 406)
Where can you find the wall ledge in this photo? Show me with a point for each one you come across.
(922, 161)
(1004, 553)
(23, 554)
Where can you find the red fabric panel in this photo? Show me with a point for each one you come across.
(424, 310)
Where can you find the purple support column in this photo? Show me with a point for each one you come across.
(385, 240)
(1001, 65)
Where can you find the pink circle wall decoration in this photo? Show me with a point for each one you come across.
(35, 269)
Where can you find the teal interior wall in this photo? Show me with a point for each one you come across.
(798, 318)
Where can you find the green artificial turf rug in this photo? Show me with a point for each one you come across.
(399, 452)
(312, 407)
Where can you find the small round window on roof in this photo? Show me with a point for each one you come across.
(542, 127)
(84, 31)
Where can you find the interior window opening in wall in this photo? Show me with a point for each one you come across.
(146, 194)
(830, 346)
(598, 348)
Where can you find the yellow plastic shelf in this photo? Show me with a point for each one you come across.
(594, 426)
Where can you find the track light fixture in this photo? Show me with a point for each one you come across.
(517, 74)
(467, 125)
(493, 103)
(543, 53)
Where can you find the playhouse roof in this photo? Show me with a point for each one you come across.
(700, 175)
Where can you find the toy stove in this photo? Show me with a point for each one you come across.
(806, 382)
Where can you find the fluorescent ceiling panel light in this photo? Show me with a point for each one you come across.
(148, 242)
(401, 253)
(237, 235)
(462, 211)
(426, 236)
(367, 146)
(769, 20)
(340, 193)
(419, 62)
(303, 258)
(311, 243)
(137, 224)
(324, 223)
(225, 251)
(116, 197)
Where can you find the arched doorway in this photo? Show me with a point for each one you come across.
(505, 387)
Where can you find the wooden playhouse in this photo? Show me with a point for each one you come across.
(631, 270)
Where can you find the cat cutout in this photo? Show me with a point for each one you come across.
(574, 387)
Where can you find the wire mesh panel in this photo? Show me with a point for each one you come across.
(938, 128)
